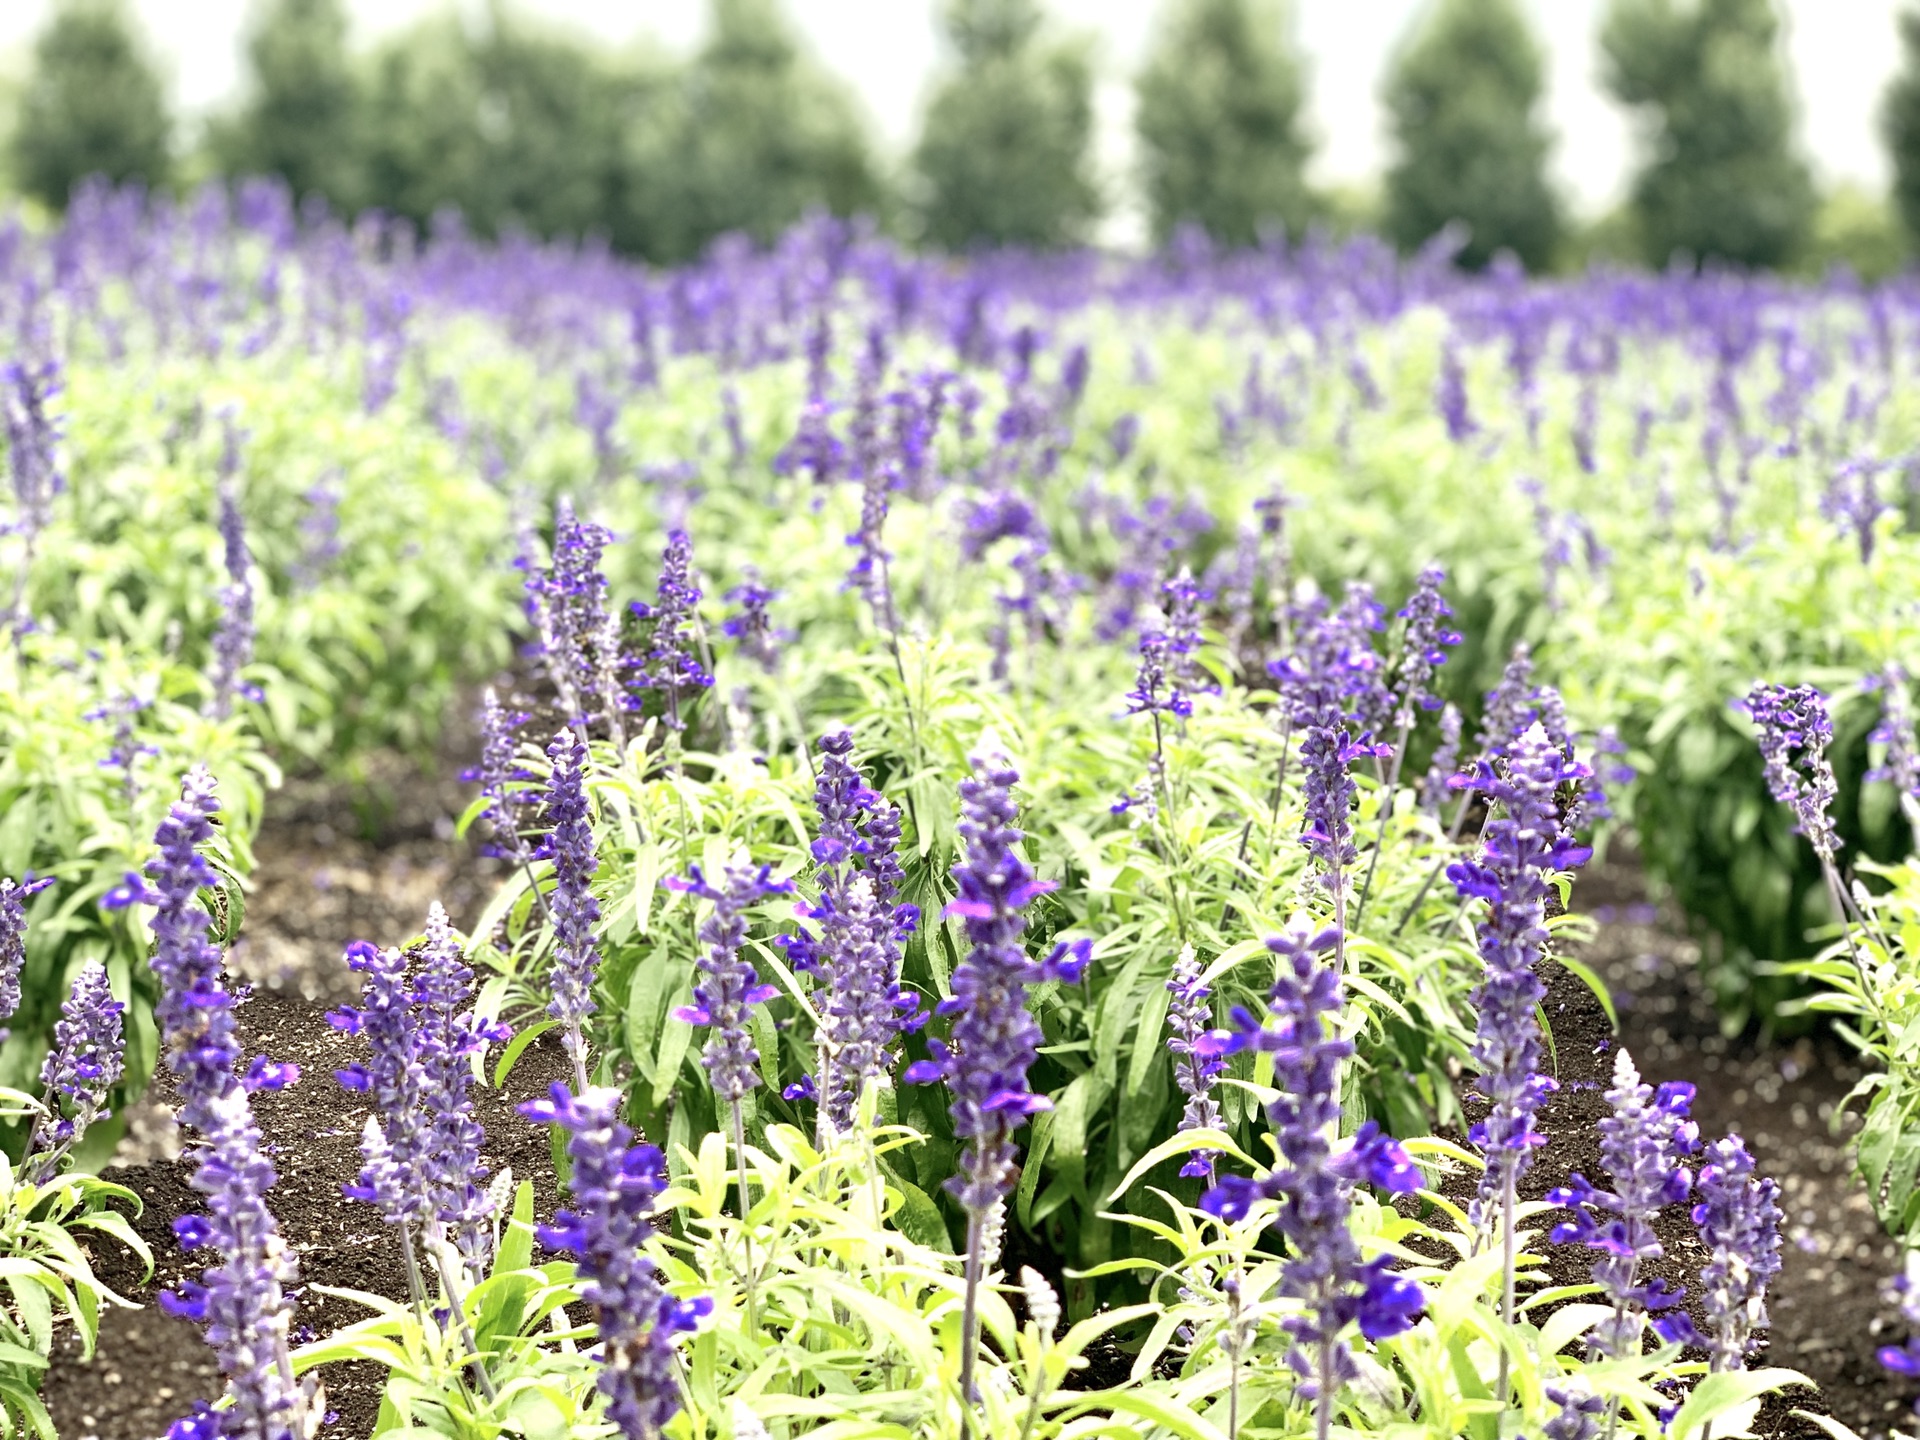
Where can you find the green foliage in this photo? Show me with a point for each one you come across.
(1462, 99)
(1218, 118)
(765, 135)
(1722, 179)
(1004, 155)
(93, 105)
(303, 113)
(1900, 124)
(1858, 231)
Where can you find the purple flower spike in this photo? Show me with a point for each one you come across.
(671, 663)
(497, 772)
(89, 1053)
(729, 985)
(1199, 1055)
(614, 1185)
(1643, 1145)
(1434, 786)
(567, 603)
(1739, 1220)
(569, 845)
(1524, 847)
(1423, 650)
(242, 1299)
(395, 1144)
(995, 1040)
(451, 1035)
(233, 641)
(1794, 733)
(750, 627)
(1315, 1180)
(13, 936)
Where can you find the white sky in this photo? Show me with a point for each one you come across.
(1843, 52)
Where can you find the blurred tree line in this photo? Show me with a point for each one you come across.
(521, 126)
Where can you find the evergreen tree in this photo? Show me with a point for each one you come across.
(1723, 179)
(1460, 98)
(1004, 152)
(301, 120)
(765, 135)
(93, 105)
(1218, 120)
(1900, 124)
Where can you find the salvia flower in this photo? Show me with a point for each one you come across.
(862, 930)
(1199, 1054)
(450, 1035)
(729, 987)
(233, 640)
(1450, 396)
(13, 935)
(89, 1055)
(1739, 1219)
(1795, 730)
(569, 845)
(242, 1300)
(994, 1040)
(1899, 766)
(1314, 1181)
(1524, 846)
(567, 603)
(1152, 691)
(394, 1145)
(1435, 785)
(1904, 1359)
(751, 626)
(614, 1185)
(497, 772)
(1577, 1415)
(1510, 707)
(1643, 1145)
(1181, 597)
(1423, 650)
(671, 663)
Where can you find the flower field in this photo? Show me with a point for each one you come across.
(1024, 832)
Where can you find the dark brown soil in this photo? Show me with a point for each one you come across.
(320, 882)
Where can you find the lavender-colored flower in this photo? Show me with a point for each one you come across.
(614, 1186)
(1899, 766)
(394, 1147)
(751, 627)
(242, 1300)
(319, 531)
(671, 663)
(862, 930)
(1611, 773)
(1181, 598)
(27, 391)
(1852, 501)
(1314, 1180)
(1739, 1220)
(127, 749)
(233, 640)
(1524, 846)
(1423, 649)
(88, 1058)
(994, 1040)
(450, 1036)
(1327, 753)
(1510, 707)
(1446, 761)
(1122, 436)
(566, 602)
(13, 935)
(1002, 515)
(1794, 733)
(1450, 396)
(729, 986)
(1152, 693)
(1577, 1415)
(1199, 1055)
(1643, 1146)
(497, 771)
(1904, 1359)
(574, 912)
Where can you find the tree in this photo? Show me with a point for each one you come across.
(1218, 120)
(764, 134)
(92, 106)
(1722, 179)
(302, 118)
(1461, 98)
(1900, 124)
(513, 126)
(1003, 156)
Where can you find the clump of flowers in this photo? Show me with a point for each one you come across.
(671, 663)
(88, 1058)
(574, 912)
(1739, 1220)
(1643, 1145)
(13, 936)
(614, 1185)
(994, 1040)
(1313, 1184)
(1795, 731)
(242, 1299)
(1199, 1055)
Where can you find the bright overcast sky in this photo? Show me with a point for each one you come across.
(1843, 52)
